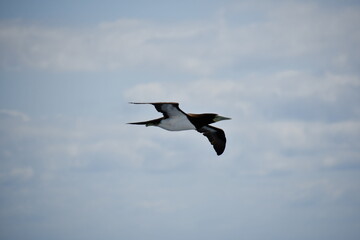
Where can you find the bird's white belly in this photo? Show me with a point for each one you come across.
(176, 124)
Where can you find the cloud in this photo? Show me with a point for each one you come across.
(285, 72)
(15, 114)
(287, 94)
(281, 122)
(289, 31)
(23, 173)
(74, 171)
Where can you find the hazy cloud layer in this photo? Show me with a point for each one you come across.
(288, 32)
(287, 73)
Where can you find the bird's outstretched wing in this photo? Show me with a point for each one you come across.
(168, 109)
(216, 137)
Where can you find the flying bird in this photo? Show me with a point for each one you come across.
(175, 119)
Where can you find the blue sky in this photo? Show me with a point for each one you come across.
(286, 72)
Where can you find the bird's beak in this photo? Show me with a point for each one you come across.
(220, 118)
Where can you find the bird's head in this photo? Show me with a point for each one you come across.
(218, 118)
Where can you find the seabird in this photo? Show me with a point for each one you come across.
(175, 119)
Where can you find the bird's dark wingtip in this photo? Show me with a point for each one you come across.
(219, 152)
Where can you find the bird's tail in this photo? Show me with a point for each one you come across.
(139, 123)
(154, 122)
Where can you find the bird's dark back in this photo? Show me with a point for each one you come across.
(200, 120)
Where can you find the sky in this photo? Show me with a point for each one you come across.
(286, 72)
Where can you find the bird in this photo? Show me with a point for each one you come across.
(174, 119)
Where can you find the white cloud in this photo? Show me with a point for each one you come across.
(290, 91)
(86, 168)
(16, 114)
(293, 30)
(22, 173)
(286, 73)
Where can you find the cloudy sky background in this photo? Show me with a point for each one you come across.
(286, 72)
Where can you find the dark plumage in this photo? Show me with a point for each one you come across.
(175, 119)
